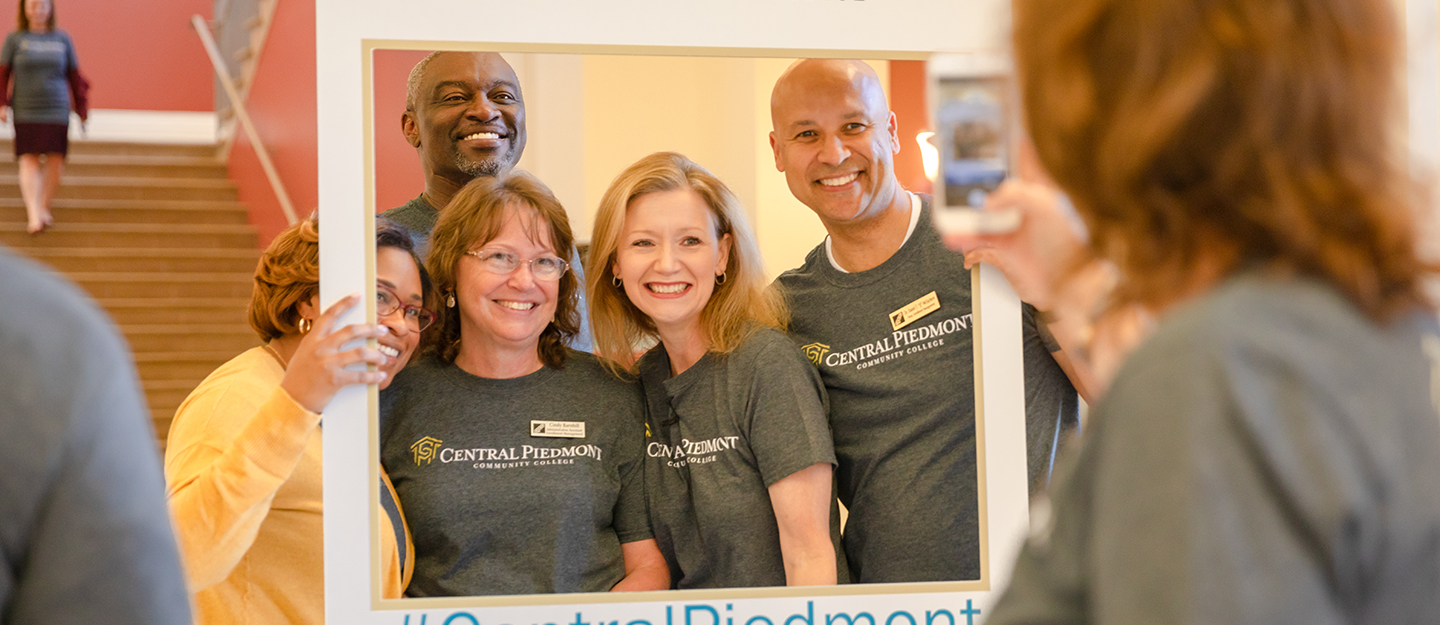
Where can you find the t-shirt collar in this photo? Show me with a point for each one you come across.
(914, 219)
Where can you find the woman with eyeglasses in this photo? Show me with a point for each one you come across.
(517, 459)
(243, 463)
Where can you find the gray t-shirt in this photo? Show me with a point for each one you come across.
(84, 527)
(902, 404)
(1270, 455)
(419, 217)
(39, 62)
(497, 503)
(717, 437)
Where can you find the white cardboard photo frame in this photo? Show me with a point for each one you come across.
(797, 28)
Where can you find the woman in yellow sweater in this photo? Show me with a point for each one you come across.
(243, 459)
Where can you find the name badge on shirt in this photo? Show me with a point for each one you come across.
(927, 304)
(557, 429)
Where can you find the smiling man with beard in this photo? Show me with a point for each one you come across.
(465, 115)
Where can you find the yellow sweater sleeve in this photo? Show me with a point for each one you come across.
(397, 570)
(232, 445)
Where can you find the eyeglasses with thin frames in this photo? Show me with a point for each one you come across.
(417, 318)
(504, 263)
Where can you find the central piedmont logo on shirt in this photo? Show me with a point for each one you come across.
(424, 449)
(522, 456)
(897, 344)
(815, 352)
(690, 452)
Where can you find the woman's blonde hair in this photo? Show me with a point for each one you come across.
(739, 306)
(473, 218)
(1233, 132)
(288, 273)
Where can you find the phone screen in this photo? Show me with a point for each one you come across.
(971, 123)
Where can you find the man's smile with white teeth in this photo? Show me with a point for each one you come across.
(515, 305)
(840, 180)
(481, 135)
(667, 288)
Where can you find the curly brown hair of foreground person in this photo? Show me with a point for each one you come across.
(1231, 133)
(473, 218)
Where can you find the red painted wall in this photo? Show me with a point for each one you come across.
(907, 100)
(137, 55)
(398, 177)
(282, 105)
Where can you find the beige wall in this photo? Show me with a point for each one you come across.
(591, 116)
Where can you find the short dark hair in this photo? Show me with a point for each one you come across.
(393, 235)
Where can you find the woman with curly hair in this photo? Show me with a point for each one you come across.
(243, 459)
(1268, 454)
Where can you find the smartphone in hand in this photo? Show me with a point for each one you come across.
(972, 118)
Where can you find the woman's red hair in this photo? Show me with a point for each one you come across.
(1237, 132)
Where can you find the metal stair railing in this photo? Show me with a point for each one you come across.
(237, 104)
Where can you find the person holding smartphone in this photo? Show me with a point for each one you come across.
(1268, 454)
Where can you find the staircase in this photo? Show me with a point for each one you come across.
(156, 235)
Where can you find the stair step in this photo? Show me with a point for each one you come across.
(181, 337)
(100, 210)
(179, 311)
(131, 181)
(165, 285)
(130, 235)
(161, 418)
(180, 365)
(87, 147)
(11, 211)
(139, 165)
(157, 260)
(188, 310)
(209, 170)
(167, 395)
(72, 187)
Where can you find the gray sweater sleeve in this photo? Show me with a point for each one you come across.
(1169, 514)
(1234, 474)
(83, 519)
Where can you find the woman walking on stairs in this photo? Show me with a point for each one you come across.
(47, 77)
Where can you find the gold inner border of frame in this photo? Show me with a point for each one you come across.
(368, 48)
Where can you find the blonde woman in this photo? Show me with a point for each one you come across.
(738, 451)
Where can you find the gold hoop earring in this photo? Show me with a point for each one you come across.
(450, 300)
(615, 280)
(305, 325)
(720, 279)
